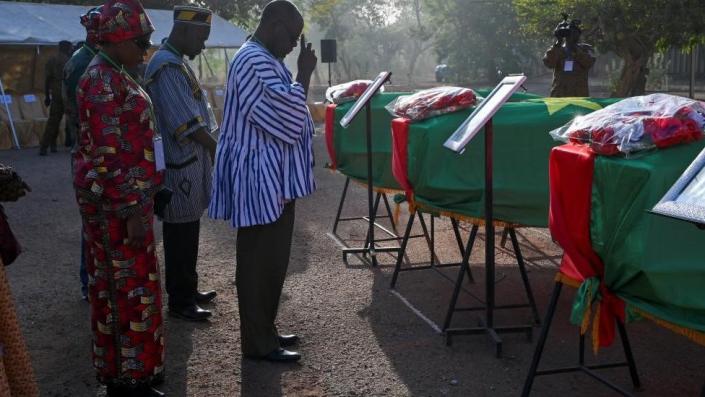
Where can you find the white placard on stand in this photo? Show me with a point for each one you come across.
(685, 200)
(484, 112)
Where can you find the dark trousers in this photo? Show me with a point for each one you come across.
(71, 132)
(51, 131)
(180, 257)
(262, 259)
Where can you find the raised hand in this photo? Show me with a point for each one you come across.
(307, 58)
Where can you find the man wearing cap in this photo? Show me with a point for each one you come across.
(264, 163)
(185, 120)
(73, 70)
(54, 70)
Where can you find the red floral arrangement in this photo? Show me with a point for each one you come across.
(669, 131)
(638, 123)
(432, 102)
(347, 92)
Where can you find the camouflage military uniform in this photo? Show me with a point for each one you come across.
(569, 80)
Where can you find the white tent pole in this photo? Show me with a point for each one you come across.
(9, 115)
(227, 63)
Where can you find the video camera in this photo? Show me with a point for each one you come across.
(564, 28)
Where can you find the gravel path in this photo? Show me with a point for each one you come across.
(359, 338)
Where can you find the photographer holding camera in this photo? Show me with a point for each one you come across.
(570, 60)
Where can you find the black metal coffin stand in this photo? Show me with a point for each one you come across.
(581, 365)
(487, 322)
(481, 119)
(370, 248)
(465, 249)
(392, 235)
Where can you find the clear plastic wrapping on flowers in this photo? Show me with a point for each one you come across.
(432, 102)
(637, 123)
(348, 92)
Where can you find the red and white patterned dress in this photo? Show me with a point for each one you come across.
(116, 177)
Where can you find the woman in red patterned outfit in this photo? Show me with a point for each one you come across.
(115, 181)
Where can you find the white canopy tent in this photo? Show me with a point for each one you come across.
(47, 24)
(30, 33)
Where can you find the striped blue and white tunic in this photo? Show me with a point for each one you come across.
(265, 154)
(181, 109)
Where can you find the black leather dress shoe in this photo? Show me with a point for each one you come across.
(205, 297)
(288, 340)
(190, 313)
(282, 356)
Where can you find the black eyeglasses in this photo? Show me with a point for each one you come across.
(142, 43)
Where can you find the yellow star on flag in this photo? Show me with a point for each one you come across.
(556, 104)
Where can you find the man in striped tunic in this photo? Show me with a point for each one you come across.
(185, 121)
(264, 162)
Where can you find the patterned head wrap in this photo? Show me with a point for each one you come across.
(123, 20)
(91, 21)
(192, 15)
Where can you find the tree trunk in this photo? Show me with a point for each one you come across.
(413, 58)
(420, 48)
(342, 59)
(420, 44)
(632, 80)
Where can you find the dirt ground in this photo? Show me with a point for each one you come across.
(359, 337)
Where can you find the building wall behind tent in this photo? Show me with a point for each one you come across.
(22, 73)
(22, 67)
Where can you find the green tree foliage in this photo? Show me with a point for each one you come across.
(478, 38)
(244, 13)
(420, 33)
(632, 29)
(373, 35)
(359, 28)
